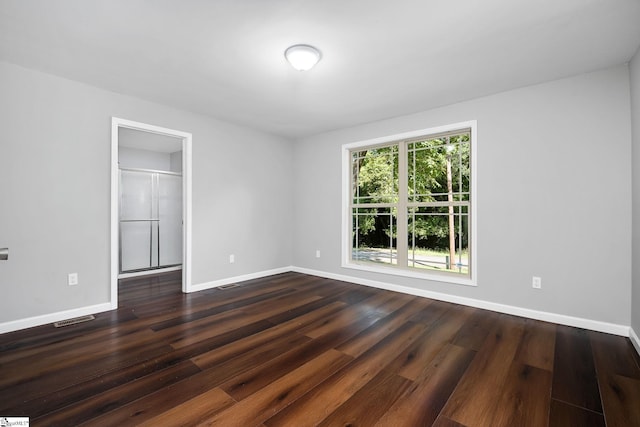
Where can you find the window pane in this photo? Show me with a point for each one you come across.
(374, 236)
(438, 169)
(431, 243)
(375, 175)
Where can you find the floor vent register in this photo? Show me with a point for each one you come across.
(74, 321)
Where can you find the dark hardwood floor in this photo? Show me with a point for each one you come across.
(300, 350)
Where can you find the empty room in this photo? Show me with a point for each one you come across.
(320, 213)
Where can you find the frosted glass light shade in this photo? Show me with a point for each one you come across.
(302, 57)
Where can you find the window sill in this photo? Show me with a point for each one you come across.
(396, 271)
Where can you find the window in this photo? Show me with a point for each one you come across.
(409, 204)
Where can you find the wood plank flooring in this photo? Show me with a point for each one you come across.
(298, 350)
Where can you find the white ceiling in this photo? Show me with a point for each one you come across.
(381, 58)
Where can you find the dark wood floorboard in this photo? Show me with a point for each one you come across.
(575, 380)
(298, 350)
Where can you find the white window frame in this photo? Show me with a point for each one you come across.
(472, 278)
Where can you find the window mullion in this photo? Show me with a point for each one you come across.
(403, 184)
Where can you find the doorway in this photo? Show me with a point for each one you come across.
(150, 197)
(150, 202)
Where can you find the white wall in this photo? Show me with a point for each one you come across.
(635, 122)
(572, 135)
(144, 159)
(54, 196)
(554, 187)
(175, 161)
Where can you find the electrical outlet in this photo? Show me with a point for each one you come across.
(72, 279)
(536, 282)
(232, 259)
(318, 253)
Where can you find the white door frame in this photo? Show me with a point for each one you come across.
(117, 123)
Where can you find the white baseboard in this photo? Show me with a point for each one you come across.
(236, 279)
(634, 340)
(149, 272)
(595, 325)
(30, 322)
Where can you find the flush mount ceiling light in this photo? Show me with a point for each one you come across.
(302, 57)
